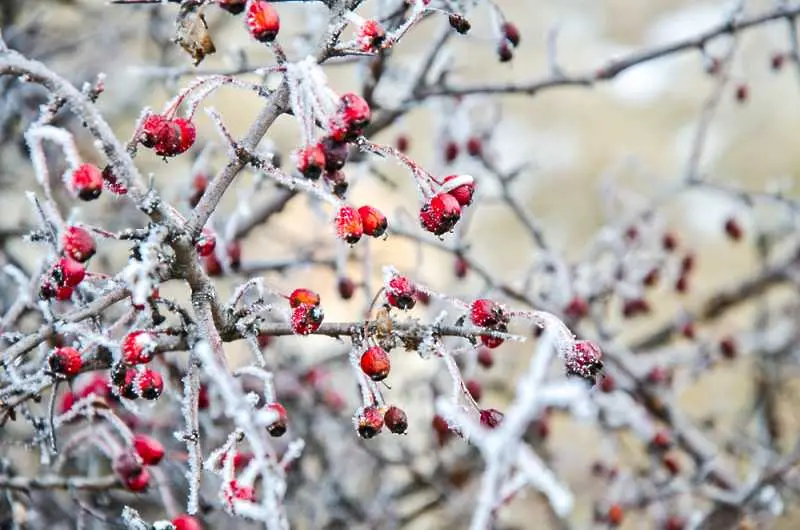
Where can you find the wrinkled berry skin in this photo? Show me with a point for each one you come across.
(375, 363)
(400, 293)
(66, 361)
(278, 428)
(306, 319)
(373, 221)
(78, 244)
(440, 214)
(369, 422)
(262, 21)
(396, 420)
(87, 182)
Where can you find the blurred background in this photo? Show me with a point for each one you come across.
(594, 157)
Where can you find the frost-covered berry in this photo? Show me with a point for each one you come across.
(262, 20)
(303, 296)
(68, 273)
(311, 161)
(375, 363)
(585, 360)
(306, 319)
(77, 243)
(150, 384)
(278, 427)
(491, 418)
(396, 420)
(234, 7)
(348, 224)
(462, 187)
(351, 117)
(440, 214)
(186, 522)
(486, 313)
(373, 221)
(187, 134)
(369, 422)
(112, 182)
(370, 36)
(149, 449)
(167, 137)
(400, 292)
(86, 182)
(66, 361)
(243, 493)
(138, 347)
(206, 243)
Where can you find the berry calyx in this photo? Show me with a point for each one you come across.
(306, 319)
(440, 214)
(66, 361)
(348, 225)
(462, 187)
(395, 420)
(400, 292)
(149, 449)
(138, 347)
(78, 244)
(375, 363)
(303, 296)
(262, 21)
(278, 427)
(369, 422)
(86, 182)
(311, 161)
(373, 221)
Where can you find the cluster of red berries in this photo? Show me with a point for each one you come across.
(441, 212)
(206, 250)
(369, 421)
(138, 348)
(351, 224)
(77, 247)
(452, 150)
(307, 315)
(329, 155)
(509, 40)
(487, 314)
(167, 136)
(131, 464)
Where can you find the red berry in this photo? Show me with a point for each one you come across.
(727, 346)
(77, 243)
(400, 292)
(674, 522)
(184, 521)
(150, 384)
(608, 384)
(485, 313)
(348, 225)
(234, 250)
(485, 358)
(373, 221)
(402, 143)
(474, 146)
(669, 242)
(199, 185)
(335, 153)
(450, 151)
(67, 401)
(278, 427)
(585, 360)
(511, 32)
(187, 134)
(442, 429)
(203, 401)
(86, 182)
(240, 460)
(68, 273)
(234, 7)
(212, 266)
(369, 422)
(440, 214)
(658, 375)
(66, 361)
(461, 267)
(112, 182)
(149, 449)
(346, 288)
(396, 420)
(634, 307)
(351, 118)
(651, 278)
(303, 296)
(742, 93)
(688, 331)
(661, 441)
(153, 129)
(475, 389)
(504, 52)
(462, 187)
(138, 482)
(491, 418)
(375, 363)
(243, 493)
(262, 21)
(733, 229)
(370, 36)
(671, 463)
(615, 515)
(311, 161)
(306, 319)
(682, 284)
(777, 60)
(168, 137)
(206, 243)
(138, 347)
(577, 308)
